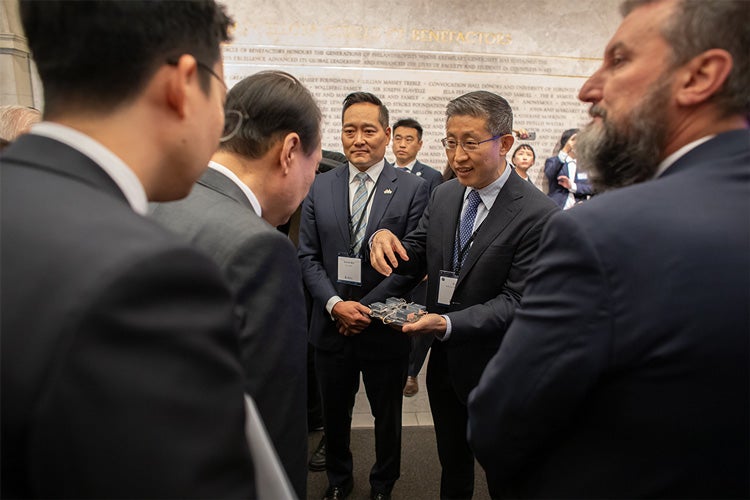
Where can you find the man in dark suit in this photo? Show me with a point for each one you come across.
(568, 185)
(476, 241)
(120, 371)
(345, 206)
(625, 373)
(255, 181)
(407, 142)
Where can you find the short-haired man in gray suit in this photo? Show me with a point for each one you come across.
(255, 181)
(120, 371)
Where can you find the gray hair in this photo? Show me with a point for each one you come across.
(15, 120)
(276, 103)
(699, 25)
(483, 104)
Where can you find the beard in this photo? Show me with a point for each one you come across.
(620, 154)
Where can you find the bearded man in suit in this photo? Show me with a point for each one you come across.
(625, 373)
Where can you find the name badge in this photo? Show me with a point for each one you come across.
(350, 270)
(582, 176)
(446, 287)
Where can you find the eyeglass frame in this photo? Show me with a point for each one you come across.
(203, 66)
(242, 115)
(463, 144)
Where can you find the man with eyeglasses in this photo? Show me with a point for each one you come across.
(476, 242)
(255, 181)
(120, 368)
(344, 207)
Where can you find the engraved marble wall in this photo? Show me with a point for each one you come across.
(417, 55)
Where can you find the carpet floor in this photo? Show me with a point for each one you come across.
(420, 467)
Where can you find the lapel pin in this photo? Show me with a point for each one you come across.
(419, 174)
(388, 191)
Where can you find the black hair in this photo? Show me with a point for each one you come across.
(99, 54)
(366, 97)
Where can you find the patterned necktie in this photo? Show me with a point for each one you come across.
(359, 205)
(465, 229)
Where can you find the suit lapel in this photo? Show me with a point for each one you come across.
(506, 207)
(452, 209)
(216, 181)
(340, 200)
(385, 190)
(418, 168)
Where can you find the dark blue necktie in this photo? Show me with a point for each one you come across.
(465, 228)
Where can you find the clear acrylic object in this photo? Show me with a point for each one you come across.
(397, 311)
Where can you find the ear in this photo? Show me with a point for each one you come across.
(182, 74)
(703, 76)
(506, 143)
(291, 145)
(388, 135)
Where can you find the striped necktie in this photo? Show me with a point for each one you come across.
(359, 205)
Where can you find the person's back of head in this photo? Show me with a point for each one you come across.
(16, 120)
(273, 104)
(95, 55)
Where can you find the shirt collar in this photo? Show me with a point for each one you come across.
(489, 193)
(671, 159)
(243, 187)
(108, 161)
(374, 171)
(409, 166)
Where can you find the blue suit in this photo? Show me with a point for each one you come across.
(432, 176)
(379, 352)
(625, 372)
(553, 168)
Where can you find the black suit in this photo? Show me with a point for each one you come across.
(120, 371)
(625, 372)
(379, 352)
(488, 290)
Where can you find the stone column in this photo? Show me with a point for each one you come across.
(19, 83)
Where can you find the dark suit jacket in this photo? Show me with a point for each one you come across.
(553, 168)
(120, 371)
(492, 278)
(398, 203)
(432, 176)
(625, 372)
(261, 266)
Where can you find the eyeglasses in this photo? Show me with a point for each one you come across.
(451, 144)
(203, 66)
(232, 123)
